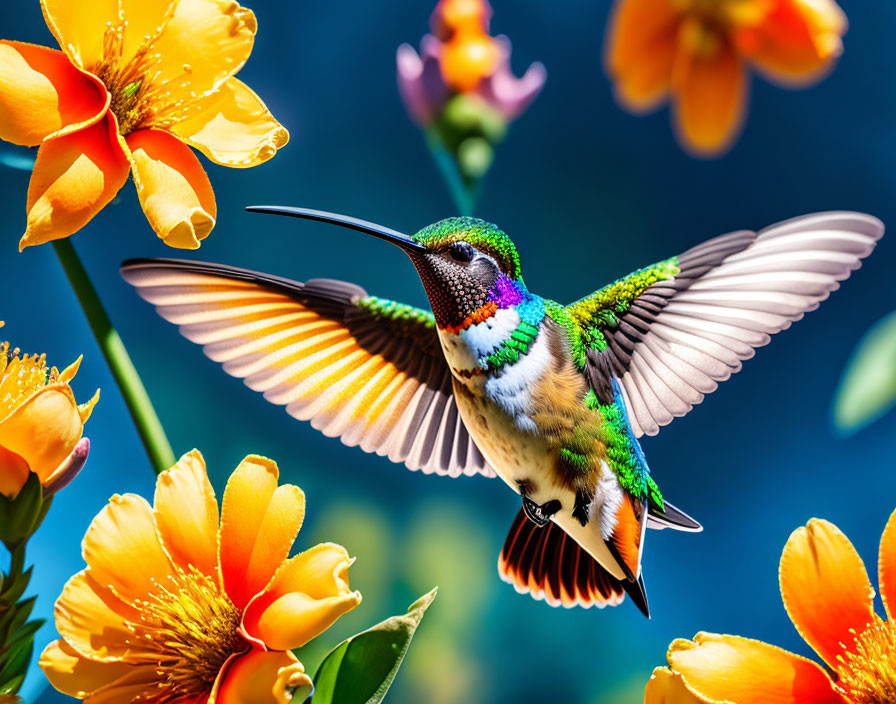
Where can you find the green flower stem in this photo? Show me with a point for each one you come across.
(463, 194)
(135, 397)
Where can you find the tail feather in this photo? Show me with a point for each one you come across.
(549, 565)
(668, 516)
(626, 542)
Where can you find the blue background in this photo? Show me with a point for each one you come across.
(589, 193)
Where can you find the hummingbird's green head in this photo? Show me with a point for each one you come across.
(469, 267)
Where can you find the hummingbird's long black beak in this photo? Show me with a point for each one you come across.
(384, 233)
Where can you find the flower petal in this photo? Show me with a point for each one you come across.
(886, 567)
(205, 43)
(41, 92)
(69, 469)
(736, 670)
(825, 588)
(232, 127)
(260, 677)
(140, 684)
(309, 592)
(13, 473)
(75, 176)
(293, 619)
(186, 514)
(92, 620)
(641, 43)
(44, 429)
(145, 21)
(797, 42)
(73, 674)
(80, 30)
(122, 549)
(173, 188)
(667, 687)
(710, 97)
(259, 522)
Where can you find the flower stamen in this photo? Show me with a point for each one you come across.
(867, 674)
(188, 628)
(21, 376)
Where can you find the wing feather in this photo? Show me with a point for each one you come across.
(684, 332)
(325, 351)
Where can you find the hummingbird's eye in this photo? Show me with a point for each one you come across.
(461, 251)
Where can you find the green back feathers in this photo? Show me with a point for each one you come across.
(586, 319)
(483, 235)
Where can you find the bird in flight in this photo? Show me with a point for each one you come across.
(495, 380)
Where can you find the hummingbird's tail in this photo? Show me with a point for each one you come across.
(549, 565)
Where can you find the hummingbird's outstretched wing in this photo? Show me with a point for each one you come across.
(365, 369)
(671, 331)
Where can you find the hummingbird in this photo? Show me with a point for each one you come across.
(495, 380)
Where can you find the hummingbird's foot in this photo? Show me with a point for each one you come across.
(580, 510)
(540, 515)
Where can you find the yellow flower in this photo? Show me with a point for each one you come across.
(174, 607)
(135, 83)
(696, 53)
(830, 600)
(41, 424)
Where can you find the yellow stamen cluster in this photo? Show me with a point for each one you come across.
(21, 376)
(187, 629)
(867, 674)
(138, 97)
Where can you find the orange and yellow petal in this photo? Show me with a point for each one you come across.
(92, 620)
(186, 514)
(797, 41)
(13, 473)
(44, 429)
(667, 687)
(294, 619)
(710, 88)
(41, 92)
(173, 188)
(259, 522)
(205, 43)
(122, 549)
(886, 567)
(825, 588)
(641, 46)
(232, 127)
(75, 176)
(307, 595)
(263, 677)
(734, 670)
(145, 22)
(73, 674)
(80, 28)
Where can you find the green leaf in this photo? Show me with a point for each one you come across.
(12, 686)
(14, 588)
(868, 385)
(360, 670)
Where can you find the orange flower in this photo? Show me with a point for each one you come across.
(830, 600)
(174, 607)
(135, 83)
(41, 424)
(697, 52)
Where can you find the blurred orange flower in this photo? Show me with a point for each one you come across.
(41, 424)
(135, 83)
(697, 52)
(830, 600)
(174, 607)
